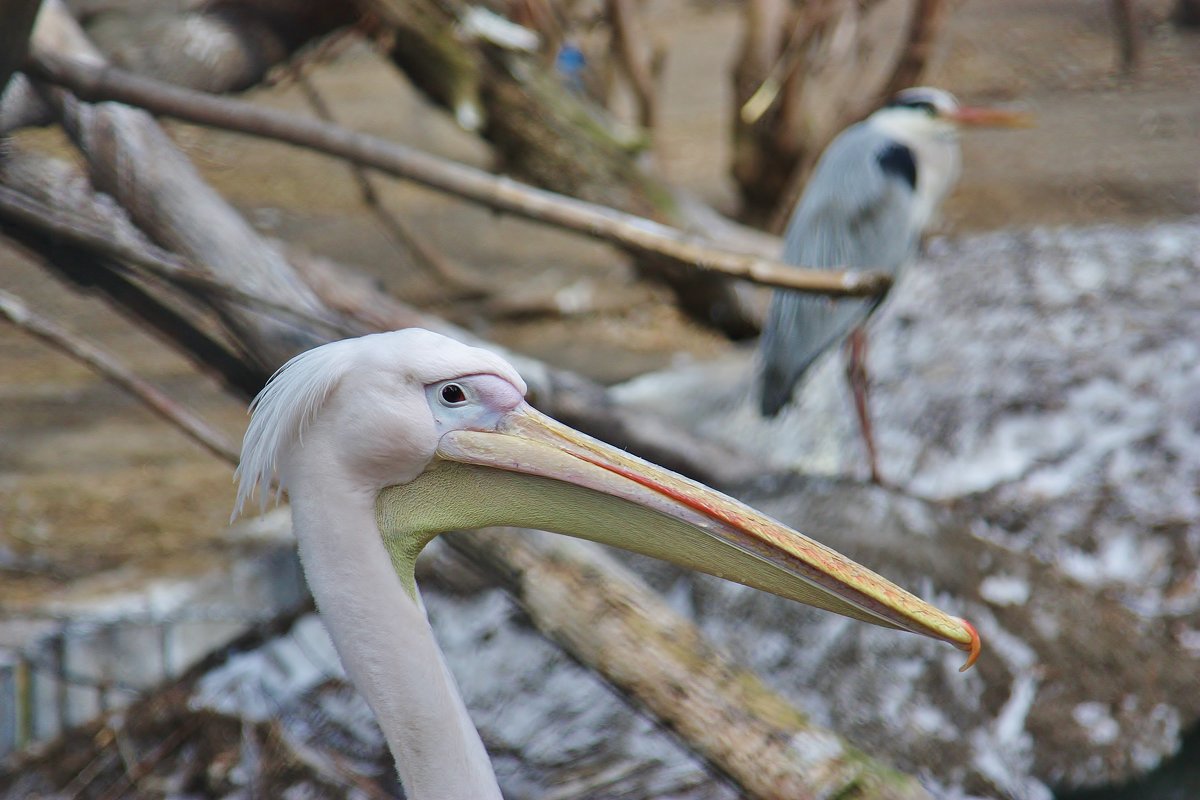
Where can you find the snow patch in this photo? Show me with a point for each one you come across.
(1005, 590)
(1096, 720)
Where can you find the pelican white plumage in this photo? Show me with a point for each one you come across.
(384, 441)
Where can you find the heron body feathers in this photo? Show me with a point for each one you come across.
(875, 189)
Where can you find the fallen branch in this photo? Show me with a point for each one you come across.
(108, 365)
(147, 258)
(610, 619)
(631, 233)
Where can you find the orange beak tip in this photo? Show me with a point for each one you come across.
(993, 117)
(973, 648)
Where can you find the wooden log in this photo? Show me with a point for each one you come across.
(165, 196)
(608, 618)
(52, 183)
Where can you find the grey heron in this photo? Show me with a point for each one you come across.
(875, 190)
(383, 442)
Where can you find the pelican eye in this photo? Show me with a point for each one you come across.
(453, 395)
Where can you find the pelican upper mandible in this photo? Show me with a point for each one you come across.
(384, 441)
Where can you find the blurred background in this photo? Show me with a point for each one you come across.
(1036, 380)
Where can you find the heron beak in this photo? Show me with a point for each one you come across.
(979, 116)
(535, 472)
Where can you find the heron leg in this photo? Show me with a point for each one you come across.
(856, 375)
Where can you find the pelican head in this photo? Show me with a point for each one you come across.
(440, 436)
(385, 441)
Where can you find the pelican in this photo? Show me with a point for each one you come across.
(384, 441)
(874, 192)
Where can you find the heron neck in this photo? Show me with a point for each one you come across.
(383, 638)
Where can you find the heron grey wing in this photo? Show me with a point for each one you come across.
(856, 212)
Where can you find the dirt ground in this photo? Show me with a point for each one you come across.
(90, 482)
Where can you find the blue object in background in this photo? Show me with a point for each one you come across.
(570, 63)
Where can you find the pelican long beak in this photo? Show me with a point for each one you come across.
(980, 116)
(532, 471)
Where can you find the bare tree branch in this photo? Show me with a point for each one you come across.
(451, 277)
(636, 60)
(631, 233)
(1129, 38)
(18, 313)
(68, 226)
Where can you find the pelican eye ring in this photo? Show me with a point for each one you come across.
(453, 395)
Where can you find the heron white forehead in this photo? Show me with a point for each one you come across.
(298, 391)
(942, 101)
(918, 115)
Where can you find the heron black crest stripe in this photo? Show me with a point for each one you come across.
(897, 160)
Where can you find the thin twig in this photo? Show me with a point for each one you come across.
(635, 60)
(627, 231)
(17, 312)
(169, 744)
(401, 234)
(74, 228)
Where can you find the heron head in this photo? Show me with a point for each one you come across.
(931, 111)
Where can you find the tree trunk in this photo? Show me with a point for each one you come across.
(18, 17)
(1187, 13)
(765, 150)
(1129, 38)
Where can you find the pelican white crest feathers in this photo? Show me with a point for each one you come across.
(383, 442)
(298, 390)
